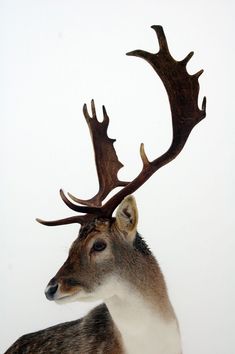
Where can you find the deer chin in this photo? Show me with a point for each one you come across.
(65, 299)
(78, 295)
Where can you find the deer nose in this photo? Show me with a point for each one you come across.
(51, 290)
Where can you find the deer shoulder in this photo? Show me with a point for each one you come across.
(87, 335)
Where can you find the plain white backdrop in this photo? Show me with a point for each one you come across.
(56, 55)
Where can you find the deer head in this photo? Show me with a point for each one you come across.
(96, 257)
(107, 245)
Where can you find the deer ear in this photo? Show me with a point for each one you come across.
(127, 217)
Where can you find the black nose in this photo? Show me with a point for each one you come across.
(50, 291)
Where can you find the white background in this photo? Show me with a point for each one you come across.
(56, 55)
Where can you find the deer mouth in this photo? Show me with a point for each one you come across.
(67, 297)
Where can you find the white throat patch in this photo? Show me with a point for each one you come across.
(143, 328)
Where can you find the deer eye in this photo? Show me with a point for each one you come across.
(99, 246)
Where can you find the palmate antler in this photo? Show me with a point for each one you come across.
(107, 163)
(182, 89)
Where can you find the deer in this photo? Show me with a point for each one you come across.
(109, 260)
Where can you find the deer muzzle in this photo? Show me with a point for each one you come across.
(61, 288)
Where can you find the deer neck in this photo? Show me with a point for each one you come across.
(143, 326)
(142, 312)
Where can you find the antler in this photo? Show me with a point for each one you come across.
(107, 166)
(182, 89)
(107, 163)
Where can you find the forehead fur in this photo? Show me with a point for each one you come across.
(102, 225)
(98, 224)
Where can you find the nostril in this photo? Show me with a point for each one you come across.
(50, 291)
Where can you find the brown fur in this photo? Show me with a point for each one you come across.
(128, 258)
(94, 333)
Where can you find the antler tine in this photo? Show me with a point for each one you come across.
(143, 156)
(107, 163)
(162, 41)
(182, 89)
(71, 220)
(78, 219)
(79, 208)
